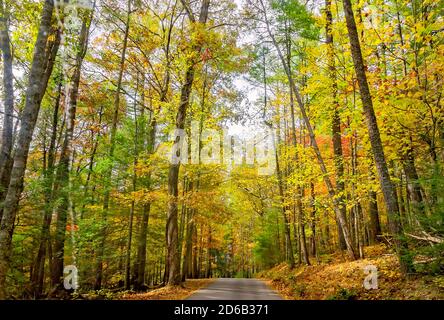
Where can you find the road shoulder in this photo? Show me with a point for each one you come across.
(171, 293)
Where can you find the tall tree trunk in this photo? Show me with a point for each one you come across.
(134, 187)
(315, 146)
(187, 255)
(38, 274)
(375, 224)
(196, 253)
(130, 235)
(405, 219)
(289, 248)
(173, 189)
(49, 56)
(413, 185)
(129, 247)
(208, 273)
(296, 236)
(302, 245)
(61, 187)
(352, 195)
(183, 225)
(28, 121)
(201, 271)
(359, 230)
(289, 256)
(302, 236)
(44, 245)
(140, 264)
(112, 141)
(409, 158)
(95, 138)
(387, 186)
(8, 98)
(173, 174)
(313, 221)
(336, 123)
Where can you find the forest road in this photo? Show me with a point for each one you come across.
(236, 289)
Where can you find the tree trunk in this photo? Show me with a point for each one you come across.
(413, 185)
(296, 234)
(302, 240)
(289, 248)
(173, 189)
(302, 237)
(139, 266)
(316, 149)
(29, 118)
(8, 98)
(187, 261)
(313, 221)
(134, 188)
(182, 225)
(196, 254)
(208, 273)
(129, 247)
(189, 230)
(38, 274)
(45, 245)
(336, 123)
(387, 186)
(106, 197)
(49, 56)
(95, 138)
(173, 174)
(61, 188)
(375, 225)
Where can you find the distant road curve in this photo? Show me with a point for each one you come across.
(236, 289)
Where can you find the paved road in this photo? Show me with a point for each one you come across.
(236, 289)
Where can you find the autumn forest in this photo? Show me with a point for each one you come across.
(149, 147)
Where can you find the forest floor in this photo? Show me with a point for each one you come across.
(170, 293)
(333, 278)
